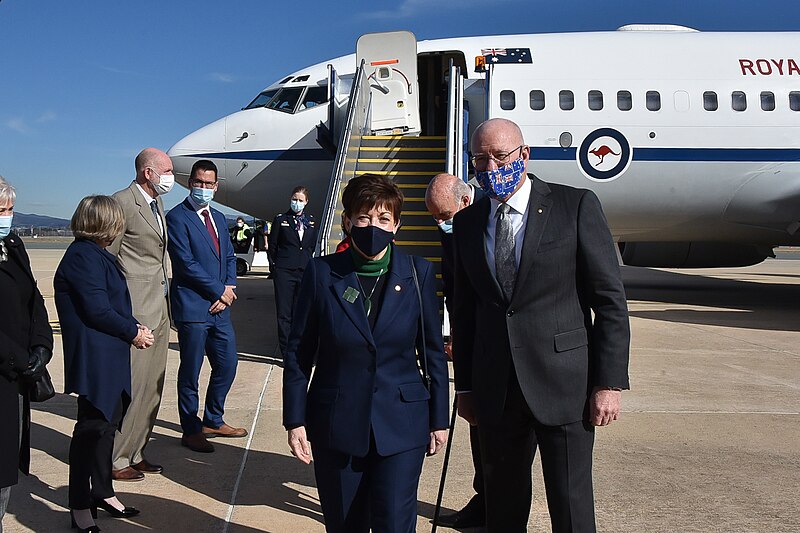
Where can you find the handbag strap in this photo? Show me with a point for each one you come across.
(426, 378)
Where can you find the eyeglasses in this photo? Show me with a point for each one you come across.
(202, 184)
(500, 158)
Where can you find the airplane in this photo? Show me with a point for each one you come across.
(690, 139)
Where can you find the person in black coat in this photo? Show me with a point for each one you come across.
(26, 345)
(291, 246)
(445, 196)
(94, 308)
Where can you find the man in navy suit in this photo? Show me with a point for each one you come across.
(202, 291)
(541, 332)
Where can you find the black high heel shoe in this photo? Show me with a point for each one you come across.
(127, 512)
(90, 529)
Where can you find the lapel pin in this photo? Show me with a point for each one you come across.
(397, 288)
(350, 294)
(540, 210)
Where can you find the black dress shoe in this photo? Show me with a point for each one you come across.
(127, 512)
(90, 529)
(472, 515)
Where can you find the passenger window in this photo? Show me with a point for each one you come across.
(738, 100)
(286, 100)
(508, 100)
(710, 102)
(653, 100)
(314, 96)
(537, 100)
(566, 100)
(624, 100)
(794, 100)
(767, 101)
(595, 100)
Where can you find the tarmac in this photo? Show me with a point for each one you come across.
(708, 439)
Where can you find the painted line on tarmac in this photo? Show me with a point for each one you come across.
(232, 503)
(691, 412)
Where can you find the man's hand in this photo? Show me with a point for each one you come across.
(604, 406)
(217, 307)
(466, 408)
(438, 440)
(144, 339)
(299, 444)
(228, 296)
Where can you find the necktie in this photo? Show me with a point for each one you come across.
(210, 228)
(154, 209)
(504, 256)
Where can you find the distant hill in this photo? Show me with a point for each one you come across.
(23, 219)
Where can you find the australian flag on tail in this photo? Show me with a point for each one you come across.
(507, 55)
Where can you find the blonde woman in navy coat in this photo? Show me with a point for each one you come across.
(94, 308)
(367, 414)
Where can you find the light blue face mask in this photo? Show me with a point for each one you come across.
(297, 206)
(500, 183)
(202, 196)
(446, 226)
(5, 226)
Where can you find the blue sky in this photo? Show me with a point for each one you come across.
(87, 84)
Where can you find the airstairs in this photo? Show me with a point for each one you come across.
(395, 150)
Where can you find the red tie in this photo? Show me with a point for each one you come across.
(210, 228)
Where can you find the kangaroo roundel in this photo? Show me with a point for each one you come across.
(604, 155)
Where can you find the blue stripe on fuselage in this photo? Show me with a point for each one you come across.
(549, 153)
(782, 155)
(295, 154)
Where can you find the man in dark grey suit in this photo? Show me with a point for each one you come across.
(541, 332)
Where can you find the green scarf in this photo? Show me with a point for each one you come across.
(371, 267)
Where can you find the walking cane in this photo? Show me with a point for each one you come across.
(444, 465)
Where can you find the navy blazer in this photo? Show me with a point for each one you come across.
(365, 380)
(286, 250)
(199, 273)
(97, 327)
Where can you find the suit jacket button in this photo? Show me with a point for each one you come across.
(375, 389)
(371, 349)
(163, 282)
(510, 313)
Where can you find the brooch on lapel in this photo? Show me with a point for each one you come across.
(350, 294)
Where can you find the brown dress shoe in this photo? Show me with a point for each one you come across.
(224, 431)
(147, 468)
(127, 474)
(197, 442)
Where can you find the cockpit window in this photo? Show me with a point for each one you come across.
(262, 99)
(286, 99)
(284, 80)
(314, 96)
(298, 79)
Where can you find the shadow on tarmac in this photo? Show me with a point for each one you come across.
(739, 304)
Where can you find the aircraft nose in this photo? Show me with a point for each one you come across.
(200, 144)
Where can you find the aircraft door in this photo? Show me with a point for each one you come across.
(391, 68)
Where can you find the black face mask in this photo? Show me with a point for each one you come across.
(370, 240)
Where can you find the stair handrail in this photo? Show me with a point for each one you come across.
(455, 123)
(352, 130)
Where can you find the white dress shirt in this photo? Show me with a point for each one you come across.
(519, 220)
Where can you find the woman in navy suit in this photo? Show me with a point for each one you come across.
(368, 415)
(94, 308)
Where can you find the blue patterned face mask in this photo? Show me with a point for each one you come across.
(501, 182)
(446, 226)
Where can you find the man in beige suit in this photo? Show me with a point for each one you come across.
(142, 256)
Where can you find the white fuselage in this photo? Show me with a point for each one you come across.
(691, 173)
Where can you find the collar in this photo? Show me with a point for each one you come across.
(518, 201)
(147, 197)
